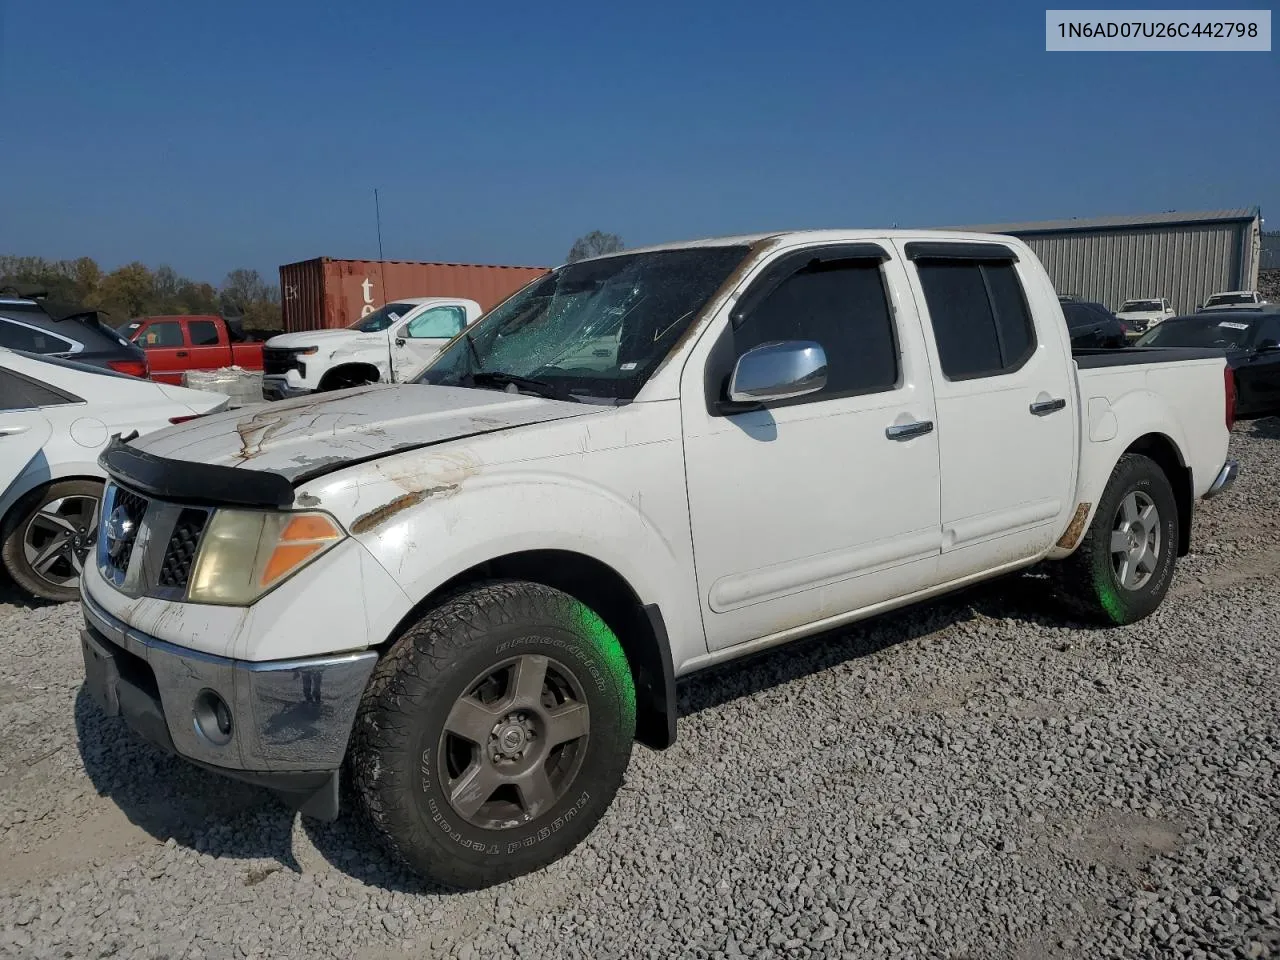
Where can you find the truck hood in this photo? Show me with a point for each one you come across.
(314, 435)
(313, 338)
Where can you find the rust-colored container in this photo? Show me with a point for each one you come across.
(336, 293)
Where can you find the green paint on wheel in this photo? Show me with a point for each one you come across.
(611, 649)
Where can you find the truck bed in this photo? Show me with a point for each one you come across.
(1091, 358)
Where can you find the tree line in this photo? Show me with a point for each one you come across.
(135, 290)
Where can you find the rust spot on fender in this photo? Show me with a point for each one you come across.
(382, 514)
(1075, 529)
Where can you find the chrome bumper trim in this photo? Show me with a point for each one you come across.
(286, 714)
(1226, 477)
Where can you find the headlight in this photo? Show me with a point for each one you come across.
(244, 553)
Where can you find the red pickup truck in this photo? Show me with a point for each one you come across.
(177, 344)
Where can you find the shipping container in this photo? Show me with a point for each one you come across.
(336, 293)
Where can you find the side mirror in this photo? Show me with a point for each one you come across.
(778, 371)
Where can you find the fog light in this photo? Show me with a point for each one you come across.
(212, 717)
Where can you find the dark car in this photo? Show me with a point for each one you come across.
(1092, 324)
(30, 323)
(1250, 340)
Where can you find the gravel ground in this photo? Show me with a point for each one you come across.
(978, 778)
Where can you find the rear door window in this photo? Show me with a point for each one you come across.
(204, 333)
(980, 318)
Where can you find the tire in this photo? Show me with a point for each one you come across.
(469, 665)
(1095, 582)
(345, 380)
(61, 517)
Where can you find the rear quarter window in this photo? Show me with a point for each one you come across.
(18, 392)
(19, 336)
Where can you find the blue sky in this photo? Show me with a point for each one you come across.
(217, 135)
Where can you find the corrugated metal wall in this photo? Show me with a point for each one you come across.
(302, 295)
(1185, 263)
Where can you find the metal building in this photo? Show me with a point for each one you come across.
(1182, 256)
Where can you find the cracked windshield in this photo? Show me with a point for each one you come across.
(592, 331)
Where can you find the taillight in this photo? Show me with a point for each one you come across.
(1229, 388)
(189, 416)
(134, 368)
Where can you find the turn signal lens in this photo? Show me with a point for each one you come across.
(302, 539)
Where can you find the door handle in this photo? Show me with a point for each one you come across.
(905, 431)
(14, 430)
(1042, 407)
(181, 353)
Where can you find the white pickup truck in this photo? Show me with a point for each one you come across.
(472, 593)
(390, 345)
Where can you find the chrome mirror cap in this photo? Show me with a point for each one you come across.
(778, 371)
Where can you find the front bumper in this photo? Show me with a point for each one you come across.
(277, 386)
(1225, 478)
(290, 720)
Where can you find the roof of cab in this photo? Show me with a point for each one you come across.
(818, 236)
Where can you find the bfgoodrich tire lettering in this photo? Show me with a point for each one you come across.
(422, 738)
(1124, 565)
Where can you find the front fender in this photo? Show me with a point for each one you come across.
(451, 523)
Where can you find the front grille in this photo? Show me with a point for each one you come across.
(120, 550)
(175, 569)
(277, 360)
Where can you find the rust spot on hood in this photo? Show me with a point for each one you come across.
(1075, 529)
(382, 514)
(255, 431)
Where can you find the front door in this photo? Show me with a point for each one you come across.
(1007, 420)
(416, 342)
(167, 353)
(807, 509)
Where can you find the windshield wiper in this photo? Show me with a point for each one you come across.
(496, 378)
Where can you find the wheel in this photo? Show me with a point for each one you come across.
(47, 536)
(345, 380)
(494, 734)
(1123, 566)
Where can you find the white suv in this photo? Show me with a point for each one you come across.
(1140, 315)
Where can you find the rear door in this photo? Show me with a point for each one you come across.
(24, 430)
(166, 347)
(1004, 385)
(209, 346)
(417, 342)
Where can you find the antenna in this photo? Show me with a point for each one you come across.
(382, 264)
